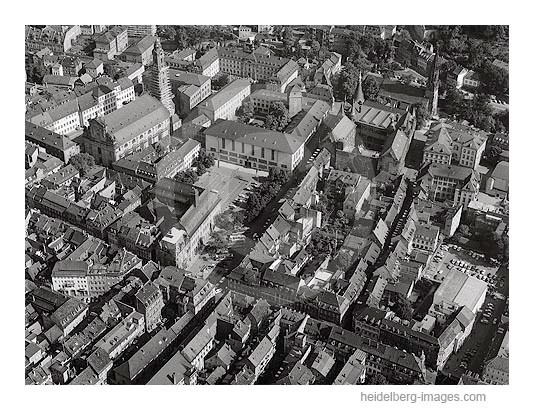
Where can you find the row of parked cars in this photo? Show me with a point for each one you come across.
(473, 270)
(488, 313)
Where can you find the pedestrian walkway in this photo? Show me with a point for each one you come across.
(249, 171)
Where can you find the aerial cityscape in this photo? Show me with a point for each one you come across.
(266, 205)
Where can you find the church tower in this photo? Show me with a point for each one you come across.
(359, 99)
(432, 87)
(158, 83)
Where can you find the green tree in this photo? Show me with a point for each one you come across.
(218, 242)
(220, 81)
(201, 168)
(494, 80)
(278, 176)
(354, 51)
(82, 162)
(453, 102)
(370, 88)
(502, 121)
(463, 230)
(239, 219)
(203, 160)
(35, 73)
(403, 308)
(278, 117)
(347, 82)
(189, 176)
(493, 155)
(478, 112)
(245, 112)
(421, 115)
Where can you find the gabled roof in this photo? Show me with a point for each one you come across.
(47, 138)
(260, 352)
(141, 46)
(135, 118)
(396, 145)
(226, 94)
(282, 279)
(146, 354)
(439, 141)
(340, 126)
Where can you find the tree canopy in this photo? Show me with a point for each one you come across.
(348, 82)
(370, 88)
(203, 161)
(265, 192)
(82, 162)
(421, 115)
(220, 81)
(494, 79)
(245, 112)
(278, 117)
(189, 176)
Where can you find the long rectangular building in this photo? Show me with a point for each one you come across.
(55, 144)
(254, 147)
(225, 103)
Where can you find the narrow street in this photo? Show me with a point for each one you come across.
(259, 225)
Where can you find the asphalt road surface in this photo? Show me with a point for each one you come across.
(482, 343)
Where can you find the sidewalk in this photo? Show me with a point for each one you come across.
(239, 168)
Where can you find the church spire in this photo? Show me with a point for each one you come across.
(360, 98)
(432, 87)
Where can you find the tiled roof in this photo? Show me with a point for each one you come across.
(186, 77)
(135, 118)
(146, 354)
(396, 145)
(450, 171)
(141, 46)
(260, 137)
(259, 353)
(226, 94)
(44, 137)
